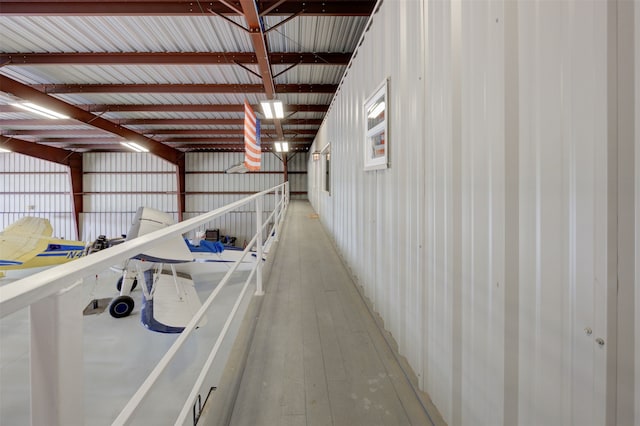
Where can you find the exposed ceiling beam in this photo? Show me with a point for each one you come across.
(237, 147)
(180, 108)
(240, 147)
(72, 142)
(161, 122)
(198, 108)
(32, 149)
(195, 132)
(183, 88)
(212, 122)
(263, 140)
(75, 133)
(90, 133)
(181, 7)
(168, 58)
(178, 132)
(256, 32)
(25, 92)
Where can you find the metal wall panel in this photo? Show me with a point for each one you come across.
(117, 184)
(298, 181)
(376, 233)
(209, 188)
(241, 225)
(439, 238)
(427, 238)
(637, 211)
(33, 187)
(564, 212)
(123, 162)
(481, 175)
(12, 162)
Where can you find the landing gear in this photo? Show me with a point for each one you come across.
(119, 284)
(121, 306)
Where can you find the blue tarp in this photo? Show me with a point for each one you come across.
(206, 246)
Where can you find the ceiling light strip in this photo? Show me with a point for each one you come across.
(37, 109)
(134, 146)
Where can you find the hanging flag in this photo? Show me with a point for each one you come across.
(252, 151)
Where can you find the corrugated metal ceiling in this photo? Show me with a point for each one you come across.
(65, 49)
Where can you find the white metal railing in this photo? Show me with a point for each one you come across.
(56, 317)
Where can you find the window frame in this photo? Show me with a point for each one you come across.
(376, 156)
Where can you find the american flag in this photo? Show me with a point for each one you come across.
(252, 151)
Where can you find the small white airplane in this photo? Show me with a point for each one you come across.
(28, 244)
(169, 299)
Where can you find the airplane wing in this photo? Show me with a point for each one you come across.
(173, 304)
(30, 225)
(23, 240)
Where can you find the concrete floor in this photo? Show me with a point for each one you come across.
(119, 354)
(317, 356)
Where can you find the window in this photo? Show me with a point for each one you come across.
(376, 141)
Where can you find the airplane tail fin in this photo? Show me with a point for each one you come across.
(148, 220)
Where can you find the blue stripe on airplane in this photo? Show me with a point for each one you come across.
(61, 247)
(75, 253)
(9, 263)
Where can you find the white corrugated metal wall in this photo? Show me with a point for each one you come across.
(116, 184)
(637, 212)
(489, 246)
(209, 188)
(33, 187)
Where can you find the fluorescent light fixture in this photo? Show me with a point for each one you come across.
(377, 110)
(134, 146)
(4, 150)
(281, 146)
(28, 106)
(279, 109)
(272, 109)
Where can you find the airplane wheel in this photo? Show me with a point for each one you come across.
(121, 306)
(133, 287)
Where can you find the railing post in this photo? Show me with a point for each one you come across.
(286, 195)
(259, 291)
(277, 208)
(57, 396)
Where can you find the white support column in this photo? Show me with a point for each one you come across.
(277, 215)
(259, 291)
(57, 359)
